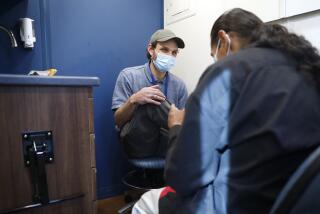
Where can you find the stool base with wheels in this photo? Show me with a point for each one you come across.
(148, 175)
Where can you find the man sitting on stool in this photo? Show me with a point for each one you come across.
(147, 87)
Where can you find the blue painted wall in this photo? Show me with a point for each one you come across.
(87, 38)
(19, 60)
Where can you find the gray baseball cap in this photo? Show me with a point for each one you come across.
(164, 35)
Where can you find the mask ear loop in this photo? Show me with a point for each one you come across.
(215, 57)
(229, 44)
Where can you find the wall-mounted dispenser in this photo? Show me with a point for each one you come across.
(27, 32)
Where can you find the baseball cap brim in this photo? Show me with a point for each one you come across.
(179, 41)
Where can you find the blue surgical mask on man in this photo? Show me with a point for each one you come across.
(164, 62)
(215, 57)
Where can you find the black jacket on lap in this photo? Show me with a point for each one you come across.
(145, 135)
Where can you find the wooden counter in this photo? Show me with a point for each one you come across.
(63, 106)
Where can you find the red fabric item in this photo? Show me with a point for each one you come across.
(166, 190)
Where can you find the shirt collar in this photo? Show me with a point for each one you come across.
(148, 74)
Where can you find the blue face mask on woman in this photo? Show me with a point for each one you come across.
(164, 62)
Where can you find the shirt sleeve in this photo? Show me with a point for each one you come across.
(122, 91)
(183, 97)
(193, 157)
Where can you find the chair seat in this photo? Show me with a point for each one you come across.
(148, 163)
(148, 175)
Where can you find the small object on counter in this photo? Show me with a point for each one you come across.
(49, 72)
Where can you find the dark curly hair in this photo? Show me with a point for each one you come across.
(254, 32)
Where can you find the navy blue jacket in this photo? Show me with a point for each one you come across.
(252, 119)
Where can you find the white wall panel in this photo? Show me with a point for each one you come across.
(295, 7)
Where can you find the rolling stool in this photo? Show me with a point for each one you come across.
(148, 175)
